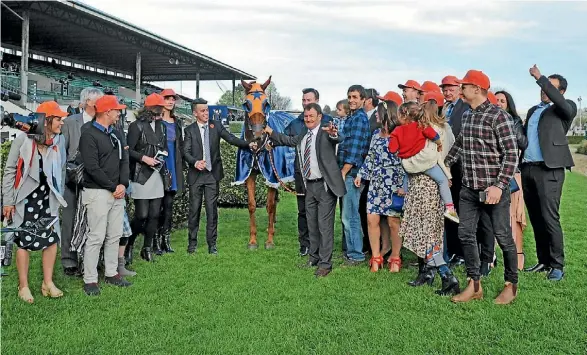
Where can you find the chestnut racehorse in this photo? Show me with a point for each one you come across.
(257, 109)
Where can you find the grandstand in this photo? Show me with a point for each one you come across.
(68, 45)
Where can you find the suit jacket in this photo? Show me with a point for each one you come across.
(456, 116)
(193, 148)
(553, 126)
(326, 153)
(72, 131)
(373, 122)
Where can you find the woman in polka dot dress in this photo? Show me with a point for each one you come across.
(32, 189)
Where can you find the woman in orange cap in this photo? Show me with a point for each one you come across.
(174, 165)
(32, 190)
(517, 207)
(146, 140)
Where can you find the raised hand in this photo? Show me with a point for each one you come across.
(535, 72)
(332, 130)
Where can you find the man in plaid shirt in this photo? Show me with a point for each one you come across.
(351, 153)
(488, 151)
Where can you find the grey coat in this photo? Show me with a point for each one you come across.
(72, 131)
(326, 152)
(30, 180)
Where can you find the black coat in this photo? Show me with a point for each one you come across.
(553, 126)
(193, 151)
(142, 140)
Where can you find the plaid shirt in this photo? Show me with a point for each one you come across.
(487, 148)
(357, 137)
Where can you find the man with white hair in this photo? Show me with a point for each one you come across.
(72, 130)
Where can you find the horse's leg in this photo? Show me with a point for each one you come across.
(252, 207)
(271, 211)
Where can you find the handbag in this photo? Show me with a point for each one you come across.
(74, 170)
(514, 187)
(167, 180)
(397, 202)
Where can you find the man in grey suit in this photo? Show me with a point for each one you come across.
(323, 180)
(72, 131)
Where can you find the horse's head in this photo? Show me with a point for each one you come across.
(257, 109)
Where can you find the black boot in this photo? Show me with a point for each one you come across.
(147, 255)
(157, 244)
(128, 253)
(425, 275)
(450, 285)
(166, 241)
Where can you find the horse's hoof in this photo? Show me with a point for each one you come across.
(269, 246)
(253, 246)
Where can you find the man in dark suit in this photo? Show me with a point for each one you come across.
(323, 180)
(295, 128)
(202, 154)
(543, 170)
(453, 111)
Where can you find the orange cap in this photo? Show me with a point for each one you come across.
(51, 109)
(168, 92)
(491, 97)
(450, 80)
(477, 78)
(436, 96)
(392, 96)
(108, 102)
(154, 100)
(410, 84)
(430, 86)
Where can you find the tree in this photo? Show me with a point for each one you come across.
(276, 101)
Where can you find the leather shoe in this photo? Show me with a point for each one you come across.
(322, 272)
(508, 295)
(474, 291)
(212, 250)
(556, 275)
(304, 251)
(537, 268)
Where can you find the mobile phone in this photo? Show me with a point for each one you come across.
(46, 223)
(482, 196)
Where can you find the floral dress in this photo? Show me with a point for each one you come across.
(386, 175)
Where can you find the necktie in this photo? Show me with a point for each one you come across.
(307, 152)
(449, 110)
(207, 148)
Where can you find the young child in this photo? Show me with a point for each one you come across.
(419, 144)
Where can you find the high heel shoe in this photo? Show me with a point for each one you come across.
(394, 264)
(26, 295)
(51, 290)
(376, 263)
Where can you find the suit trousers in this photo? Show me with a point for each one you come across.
(205, 188)
(105, 217)
(68, 258)
(320, 212)
(543, 188)
(303, 234)
(499, 214)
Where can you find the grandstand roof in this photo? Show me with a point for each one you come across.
(80, 32)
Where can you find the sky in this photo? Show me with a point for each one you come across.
(330, 45)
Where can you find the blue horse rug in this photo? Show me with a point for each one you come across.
(283, 157)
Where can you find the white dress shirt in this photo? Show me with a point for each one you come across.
(87, 118)
(314, 168)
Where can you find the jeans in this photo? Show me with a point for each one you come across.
(440, 178)
(499, 214)
(351, 221)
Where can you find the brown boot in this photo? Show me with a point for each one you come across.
(474, 291)
(508, 295)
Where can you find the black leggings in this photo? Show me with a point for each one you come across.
(166, 216)
(145, 220)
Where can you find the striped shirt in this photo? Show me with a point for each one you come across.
(487, 148)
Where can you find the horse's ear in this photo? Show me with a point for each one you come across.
(266, 84)
(246, 85)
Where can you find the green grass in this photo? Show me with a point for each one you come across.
(259, 302)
